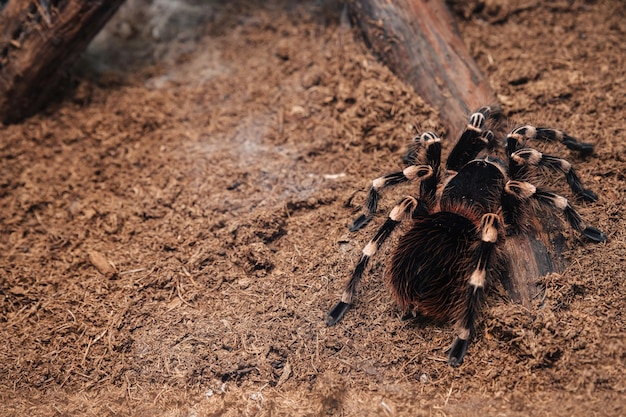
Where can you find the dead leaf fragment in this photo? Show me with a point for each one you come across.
(102, 264)
(285, 375)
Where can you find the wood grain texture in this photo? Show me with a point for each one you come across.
(38, 41)
(419, 42)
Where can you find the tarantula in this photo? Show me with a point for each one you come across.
(461, 217)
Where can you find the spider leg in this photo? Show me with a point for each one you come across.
(473, 140)
(527, 132)
(571, 215)
(489, 230)
(402, 211)
(432, 157)
(422, 150)
(525, 157)
(410, 173)
(524, 190)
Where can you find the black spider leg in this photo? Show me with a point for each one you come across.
(402, 211)
(527, 132)
(410, 173)
(432, 158)
(489, 231)
(432, 145)
(524, 190)
(472, 141)
(527, 157)
(573, 218)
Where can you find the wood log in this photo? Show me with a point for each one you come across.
(38, 40)
(418, 40)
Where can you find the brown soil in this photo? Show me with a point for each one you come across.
(173, 227)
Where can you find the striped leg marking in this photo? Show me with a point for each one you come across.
(402, 211)
(489, 230)
(524, 190)
(411, 173)
(573, 218)
(532, 157)
(527, 132)
(419, 143)
(471, 142)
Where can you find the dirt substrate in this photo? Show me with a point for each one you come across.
(173, 227)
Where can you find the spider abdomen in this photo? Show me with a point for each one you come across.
(429, 267)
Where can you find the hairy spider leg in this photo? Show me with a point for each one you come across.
(522, 159)
(523, 190)
(402, 211)
(515, 207)
(432, 158)
(571, 215)
(410, 173)
(430, 168)
(489, 233)
(473, 140)
(528, 132)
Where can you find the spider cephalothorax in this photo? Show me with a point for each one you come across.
(461, 217)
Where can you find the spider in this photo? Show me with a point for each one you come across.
(461, 218)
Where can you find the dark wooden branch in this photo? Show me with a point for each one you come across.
(39, 39)
(418, 40)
